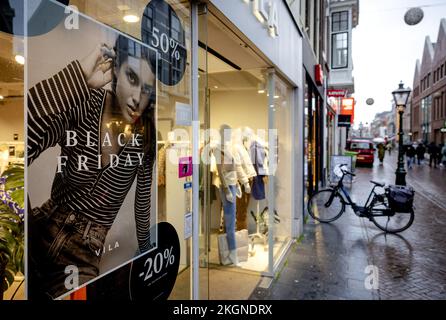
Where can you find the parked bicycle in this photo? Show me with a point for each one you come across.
(391, 211)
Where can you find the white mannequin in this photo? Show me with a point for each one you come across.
(227, 172)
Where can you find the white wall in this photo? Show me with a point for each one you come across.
(11, 120)
(239, 109)
(288, 61)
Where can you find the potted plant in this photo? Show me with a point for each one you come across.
(11, 225)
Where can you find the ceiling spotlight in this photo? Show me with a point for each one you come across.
(215, 87)
(2, 97)
(261, 91)
(130, 18)
(20, 59)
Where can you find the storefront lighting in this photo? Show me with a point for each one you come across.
(261, 91)
(215, 87)
(2, 97)
(276, 97)
(131, 18)
(20, 59)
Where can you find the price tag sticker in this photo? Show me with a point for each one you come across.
(187, 225)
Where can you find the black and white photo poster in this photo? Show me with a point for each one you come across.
(91, 151)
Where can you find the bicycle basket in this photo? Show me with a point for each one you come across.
(400, 198)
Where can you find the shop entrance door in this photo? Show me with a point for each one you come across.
(242, 103)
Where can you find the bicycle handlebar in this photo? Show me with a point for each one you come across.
(347, 172)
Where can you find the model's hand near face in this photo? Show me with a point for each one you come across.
(97, 66)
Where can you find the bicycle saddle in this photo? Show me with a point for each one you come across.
(378, 183)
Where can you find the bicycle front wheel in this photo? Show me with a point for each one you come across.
(325, 205)
(395, 222)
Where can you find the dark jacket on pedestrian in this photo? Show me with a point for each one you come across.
(432, 149)
(410, 152)
(420, 150)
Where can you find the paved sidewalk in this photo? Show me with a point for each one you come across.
(330, 260)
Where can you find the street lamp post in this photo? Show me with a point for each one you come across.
(401, 96)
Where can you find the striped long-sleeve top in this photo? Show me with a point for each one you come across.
(64, 103)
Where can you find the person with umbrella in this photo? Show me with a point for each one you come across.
(381, 152)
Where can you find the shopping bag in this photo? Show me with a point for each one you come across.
(242, 245)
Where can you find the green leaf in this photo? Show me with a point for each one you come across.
(18, 259)
(8, 215)
(12, 226)
(5, 250)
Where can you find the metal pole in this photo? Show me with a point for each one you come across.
(195, 153)
(272, 168)
(400, 172)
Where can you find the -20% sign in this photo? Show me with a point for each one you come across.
(155, 265)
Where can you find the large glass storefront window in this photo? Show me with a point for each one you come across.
(12, 152)
(139, 83)
(247, 111)
(109, 114)
(282, 220)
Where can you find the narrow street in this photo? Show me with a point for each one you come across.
(330, 260)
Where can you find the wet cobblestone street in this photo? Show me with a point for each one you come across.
(334, 261)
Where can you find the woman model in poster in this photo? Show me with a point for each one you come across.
(107, 138)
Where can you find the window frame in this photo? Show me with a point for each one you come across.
(334, 49)
(339, 18)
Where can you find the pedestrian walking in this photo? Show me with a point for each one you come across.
(443, 155)
(389, 148)
(420, 150)
(439, 155)
(410, 156)
(381, 152)
(432, 150)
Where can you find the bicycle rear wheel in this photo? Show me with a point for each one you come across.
(394, 223)
(325, 206)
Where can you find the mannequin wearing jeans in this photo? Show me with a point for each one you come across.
(230, 171)
(229, 209)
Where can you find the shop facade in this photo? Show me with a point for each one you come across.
(220, 65)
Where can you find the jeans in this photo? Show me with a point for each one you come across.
(65, 249)
(229, 209)
(432, 158)
(410, 160)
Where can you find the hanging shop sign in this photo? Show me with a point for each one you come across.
(348, 108)
(266, 12)
(319, 74)
(162, 29)
(336, 93)
(344, 120)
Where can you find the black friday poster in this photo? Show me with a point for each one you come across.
(48, 54)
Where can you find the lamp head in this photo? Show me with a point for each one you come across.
(401, 96)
